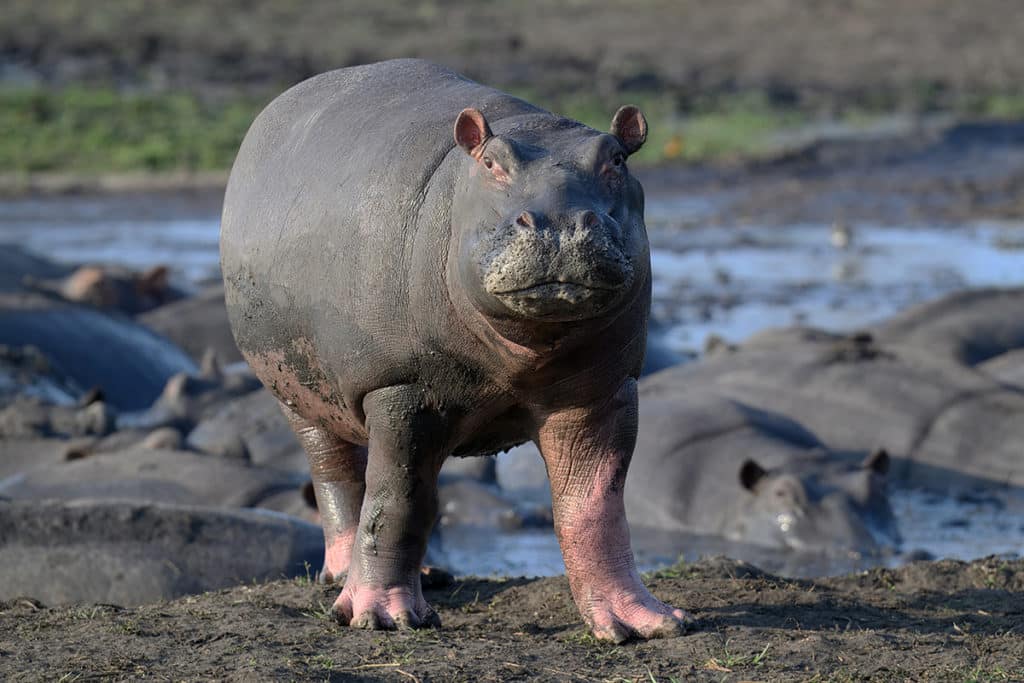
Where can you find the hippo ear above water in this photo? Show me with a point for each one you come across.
(471, 130)
(878, 461)
(750, 474)
(630, 127)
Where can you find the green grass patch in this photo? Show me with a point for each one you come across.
(100, 130)
(726, 127)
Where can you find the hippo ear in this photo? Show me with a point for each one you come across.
(750, 474)
(630, 127)
(877, 461)
(471, 130)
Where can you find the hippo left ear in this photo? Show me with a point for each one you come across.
(630, 127)
(750, 474)
(877, 461)
(471, 130)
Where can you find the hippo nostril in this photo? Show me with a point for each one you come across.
(588, 219)
(526, 220)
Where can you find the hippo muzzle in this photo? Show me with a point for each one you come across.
(557, 270)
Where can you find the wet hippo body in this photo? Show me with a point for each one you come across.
(409, 293)
(714, 466)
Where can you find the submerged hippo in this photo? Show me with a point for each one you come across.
(713, 466)
(419, 266)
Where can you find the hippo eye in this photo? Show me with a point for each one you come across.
(488, 163)
(619, 159)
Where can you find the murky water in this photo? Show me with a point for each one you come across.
(707, 281)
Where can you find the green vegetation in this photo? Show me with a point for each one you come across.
(100, 130)
(725, 127)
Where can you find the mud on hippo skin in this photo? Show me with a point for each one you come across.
(713, 466)
(445, 292)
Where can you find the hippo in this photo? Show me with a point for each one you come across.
(949, 426)
(127, 362)
(133, 552)
(714, 466)
(111, 287)
(196, 324)
(419, 266)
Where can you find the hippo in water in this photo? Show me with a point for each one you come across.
(710, 465)
(419, 266)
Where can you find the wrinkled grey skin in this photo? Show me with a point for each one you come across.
(425, 292)
(712, 466)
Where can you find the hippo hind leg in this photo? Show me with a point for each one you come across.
(407, 444)
(338, 469)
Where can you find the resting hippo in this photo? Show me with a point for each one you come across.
(113, 288)
(93, 349)
(717, 467)
(429, 293)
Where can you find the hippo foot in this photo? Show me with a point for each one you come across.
(638, 615)
(337, 556)
(384, 608)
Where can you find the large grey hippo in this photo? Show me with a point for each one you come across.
(417, 266)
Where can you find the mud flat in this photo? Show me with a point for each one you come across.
(937, 621)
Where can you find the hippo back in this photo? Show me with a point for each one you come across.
(324, 206)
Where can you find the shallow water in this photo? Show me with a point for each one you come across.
(730, 282)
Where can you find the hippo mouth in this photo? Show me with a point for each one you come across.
(558, 301)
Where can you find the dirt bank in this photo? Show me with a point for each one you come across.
(928, 621)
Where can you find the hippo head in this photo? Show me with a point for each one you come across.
(816, 505)
(549, 220)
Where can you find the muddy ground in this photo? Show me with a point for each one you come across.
(880, 53)
(940, 621)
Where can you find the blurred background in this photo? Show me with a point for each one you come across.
(826, 164)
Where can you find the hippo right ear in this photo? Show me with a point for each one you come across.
(630, 127)
(750, 474)
(471, 131)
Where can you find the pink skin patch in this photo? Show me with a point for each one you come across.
(361, 605)
(587, 454)
(338, 555)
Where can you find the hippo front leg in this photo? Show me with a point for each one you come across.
(407, 442)
(587, 452)
(338, 470)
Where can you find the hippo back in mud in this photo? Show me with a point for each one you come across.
(419, 266)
